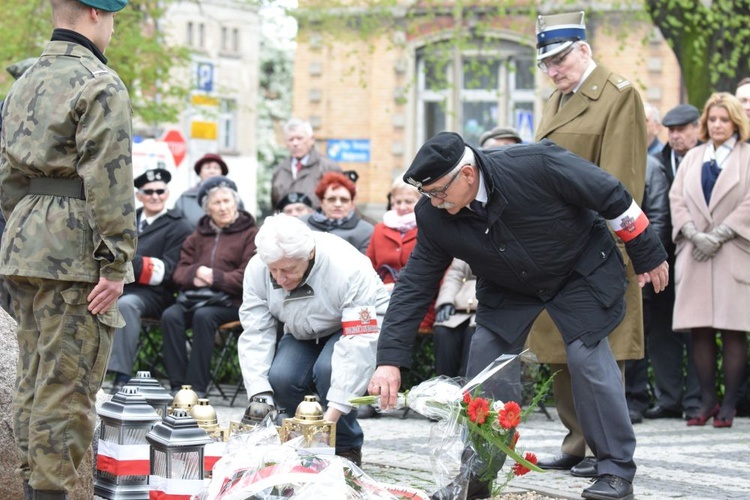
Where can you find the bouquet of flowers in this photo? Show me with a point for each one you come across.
(479, 431)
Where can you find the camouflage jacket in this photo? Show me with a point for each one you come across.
(68, 117)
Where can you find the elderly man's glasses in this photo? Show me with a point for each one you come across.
(151, 192)
(440, 193)
(555, 62)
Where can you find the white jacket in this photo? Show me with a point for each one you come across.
(341, 277)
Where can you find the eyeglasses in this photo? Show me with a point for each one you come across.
(555, 62)
(340, 199)
(440, 193)
(151, 192)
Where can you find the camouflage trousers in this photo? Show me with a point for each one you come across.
(63, 355)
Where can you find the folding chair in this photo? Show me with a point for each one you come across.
(148, 355)
(226, 336)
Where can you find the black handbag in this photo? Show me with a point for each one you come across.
(190, 300)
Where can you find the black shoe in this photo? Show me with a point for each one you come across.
(116, 387)
(636, 417)
(661, 412)
(585, 468)
(692, 414)
(354, 455)
(609, 487)
(474, 490)
(560, 462)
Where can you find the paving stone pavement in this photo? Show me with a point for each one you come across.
(674, 461)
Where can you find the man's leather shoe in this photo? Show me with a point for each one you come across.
(475, 490)
(636, 417)
(560, 462)
(661, 412)
(585, 468)
(609, 487)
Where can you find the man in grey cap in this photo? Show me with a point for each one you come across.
(670, 353)
(598, 115)
(66, 189)
(499, 136)
(530, 221)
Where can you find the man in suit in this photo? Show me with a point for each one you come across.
(676, 385)
(530, 221)
(160, 236)
(301, 171)
(599, 116)
(743, 94)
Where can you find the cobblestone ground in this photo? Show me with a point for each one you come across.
(674, 461)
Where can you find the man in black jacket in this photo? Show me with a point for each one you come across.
(530, 220)
(160, 236)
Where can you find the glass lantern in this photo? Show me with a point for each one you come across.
(205, 415)
(255, 413)
(156, 395)
(308, 422)
(177, 448)
(122, 464)
(185, 398)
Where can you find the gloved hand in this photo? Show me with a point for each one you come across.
(689, 230)
(444, 312)
(706, 246)
(722, 233)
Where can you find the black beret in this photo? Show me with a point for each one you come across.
(294, 197)
(214, 182)
(436, 158)
(352, 175)
(153, 175)
(681, 115)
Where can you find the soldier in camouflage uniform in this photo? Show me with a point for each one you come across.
(66, 191)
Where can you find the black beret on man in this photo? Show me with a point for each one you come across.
(106, 5)
(153, 175)
(214, 182)
(294, 197)
(681, 115)
(436, 158)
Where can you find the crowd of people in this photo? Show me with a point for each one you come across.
(600, 248)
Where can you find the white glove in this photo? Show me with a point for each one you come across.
(706, 245)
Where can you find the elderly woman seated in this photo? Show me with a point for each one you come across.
(336, 214)
(209, 275)
(330, 314)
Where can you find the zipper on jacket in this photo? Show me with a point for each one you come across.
(213, 250)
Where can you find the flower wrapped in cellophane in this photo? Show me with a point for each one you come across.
(472, 433)
(258, 466)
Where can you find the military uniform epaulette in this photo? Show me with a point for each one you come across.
(618, 81)
(94, 67)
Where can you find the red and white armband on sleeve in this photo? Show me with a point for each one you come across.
(359, 320)
(152, 272)
(630, 223)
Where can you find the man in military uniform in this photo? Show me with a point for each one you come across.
(530, 221)
(66, 191)
(599, 116)
(160, 236)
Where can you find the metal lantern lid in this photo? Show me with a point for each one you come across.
(256, 410)
(205, 415)
(129, 405)
(185, 398)
(309, 409)
(151, 389)
(178, 429)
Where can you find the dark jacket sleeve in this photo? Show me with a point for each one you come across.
(656, 199)
(416, 288)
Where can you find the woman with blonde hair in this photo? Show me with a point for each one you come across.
(710, 202)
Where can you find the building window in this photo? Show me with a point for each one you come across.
(236, 39)
(201, 36)
(190, 35)
(472, 93)
(224, 38)
(227, 125)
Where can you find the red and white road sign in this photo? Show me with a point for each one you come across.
(177, 145)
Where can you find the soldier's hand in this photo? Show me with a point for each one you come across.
(385, 382)
(658, 277)
(104, 295)
(444, 312)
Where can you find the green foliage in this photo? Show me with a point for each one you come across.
(137, 52)
(710, 39)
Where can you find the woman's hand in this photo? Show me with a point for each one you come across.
(204, 276)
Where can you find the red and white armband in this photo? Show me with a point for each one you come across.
(630, 223)
(152, 272)
(359, 320)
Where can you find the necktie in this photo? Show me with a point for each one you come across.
(298, 166)
(565, 98)
(478, 208)
(144, 225)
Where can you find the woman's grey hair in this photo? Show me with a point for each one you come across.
(284, 237)
(215, 190)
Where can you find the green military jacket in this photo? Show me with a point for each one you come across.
(68, 117)
(604, 122)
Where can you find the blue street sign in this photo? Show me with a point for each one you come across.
(205, 76)
(349, 150)
(525, 124)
